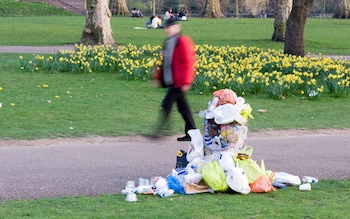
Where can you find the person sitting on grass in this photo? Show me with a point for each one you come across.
(181, 16)
(136, 13)
(149, 22)
(157, 22)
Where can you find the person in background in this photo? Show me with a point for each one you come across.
(177, 74)
(181, 16)
(157, 22)
(136, 13)
(168, 14)
(149, 22)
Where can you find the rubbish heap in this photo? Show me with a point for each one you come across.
(219, 160)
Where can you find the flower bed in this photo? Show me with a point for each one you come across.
(246, 70)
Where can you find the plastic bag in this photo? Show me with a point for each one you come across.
(214, 176)
(192, 176)
(286, 178)
(181, 160)
(237, 181)
(196, 148)
(262, 184)
(196, 164)
(245, 153)
(174, 184)
(251, 169)
(226, 161)
(247, 111)
(225, 114)
(226, 96)
(270, 174)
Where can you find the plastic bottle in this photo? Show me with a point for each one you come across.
(309, 179)
(208, 141)
(214, 103)
(166, 193)
(202, 114)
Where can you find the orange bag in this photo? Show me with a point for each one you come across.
(226, 96)
(262, 184)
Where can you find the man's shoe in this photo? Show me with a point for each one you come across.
(185, 138)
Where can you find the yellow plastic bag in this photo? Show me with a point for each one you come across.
(214, 176)
(251, 169)
(245, 153)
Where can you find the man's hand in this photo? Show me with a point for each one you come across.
(186, 88)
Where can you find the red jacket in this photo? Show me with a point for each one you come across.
(183, 63)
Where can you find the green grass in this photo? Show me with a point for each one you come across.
(16, 8)
(327, 199)
(105, 105)
(326, 36)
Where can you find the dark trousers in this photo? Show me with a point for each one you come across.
(176, 95)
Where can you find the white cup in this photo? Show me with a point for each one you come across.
(130, 184)
(0, 105)
(131, 197)
(305, 187)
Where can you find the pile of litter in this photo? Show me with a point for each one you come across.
(219, 160)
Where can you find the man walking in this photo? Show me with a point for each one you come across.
(178, 74)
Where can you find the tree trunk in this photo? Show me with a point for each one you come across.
(97, 30)
(282, 9)
(342, 9)
(294, 43)
(119, 7)
(212, 9)
(237, 8)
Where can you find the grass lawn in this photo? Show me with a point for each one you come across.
(325, 36)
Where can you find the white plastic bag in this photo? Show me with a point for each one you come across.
(196, 164)
(226, 161)
(237, 181)
(192, 176)
(225, 114)
(196, 148)
(286, 178)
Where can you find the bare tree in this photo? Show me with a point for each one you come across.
(294, 43)
(342, 9)
(282, 9)
(211, 9)
(119, 7)
(97, 30)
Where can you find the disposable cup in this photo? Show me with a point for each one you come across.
(305, 187)
(131, 197)
(130, 184)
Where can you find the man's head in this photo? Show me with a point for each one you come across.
(172, 27)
